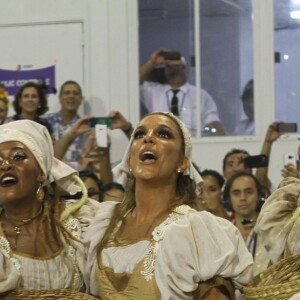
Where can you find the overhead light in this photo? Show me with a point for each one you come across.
(295, 14)
(295, 2)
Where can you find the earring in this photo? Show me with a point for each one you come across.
(40, 193)
(179, 170)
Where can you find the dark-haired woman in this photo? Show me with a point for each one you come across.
(212, 193)
(30, 103)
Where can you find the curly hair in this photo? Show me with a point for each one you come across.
(41, 95)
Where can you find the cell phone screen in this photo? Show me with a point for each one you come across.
(256, 161)
(287, 127)
(101, 120)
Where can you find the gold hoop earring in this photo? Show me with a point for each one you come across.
(40, 193)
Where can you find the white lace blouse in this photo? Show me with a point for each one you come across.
(188, 247)
(62, 270)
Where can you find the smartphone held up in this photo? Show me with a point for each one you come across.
(287, 127)
(101, 120)
(290, 159)
(256, 161)
(101, 133)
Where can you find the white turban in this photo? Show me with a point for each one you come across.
(37, 139)
(122, 173)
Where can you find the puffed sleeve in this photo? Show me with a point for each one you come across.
(86, 214)
(92, 238)
(275, 214)
(197, 248)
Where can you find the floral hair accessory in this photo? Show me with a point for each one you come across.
(4, 96)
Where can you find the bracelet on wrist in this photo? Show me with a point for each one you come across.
(128, 128)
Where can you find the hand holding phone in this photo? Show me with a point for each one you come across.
(101, 135)
(101, 120)
(290, 159)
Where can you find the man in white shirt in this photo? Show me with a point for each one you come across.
(156, 96)
(246, 123)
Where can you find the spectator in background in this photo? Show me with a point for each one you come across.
(92, 183)
(4, 103)
(30, 103)
(112, 191)
(96, 159)
(243, 192)
(70, 97)
(176, 94)
(246, 124)
(92, 158)
(233, 161)
(246, 196)
(212, 193)
(99, 191)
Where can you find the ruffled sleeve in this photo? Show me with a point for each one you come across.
(197, 248)
(92, 238)
(275, 214)
(86, 214)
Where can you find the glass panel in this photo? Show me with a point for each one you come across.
(226, 62)
(226, 33)
(287, 59)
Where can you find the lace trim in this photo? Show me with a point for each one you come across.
(158, 235)
(5, 249)
(149, 261)
(74, 227)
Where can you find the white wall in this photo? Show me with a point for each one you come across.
(111, 68)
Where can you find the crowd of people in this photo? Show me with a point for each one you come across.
(151, 227)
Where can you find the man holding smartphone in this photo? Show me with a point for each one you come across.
(173, 93)
(234, 160)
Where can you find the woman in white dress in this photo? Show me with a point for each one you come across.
(154, 245)
(40, 233)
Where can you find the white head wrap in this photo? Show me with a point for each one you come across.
(122, 173)
(37, 139)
